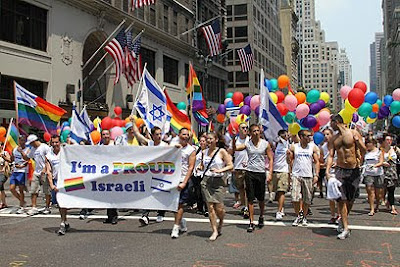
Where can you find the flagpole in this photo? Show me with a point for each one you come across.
(16, 104)
(8, 134)
(139, 87)
(198, 26)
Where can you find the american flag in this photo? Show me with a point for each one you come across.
(140, 3)
(116, 49)
(246, 58)
(132, 59)
(212, 33)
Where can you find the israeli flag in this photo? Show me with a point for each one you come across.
(161, 185)
(151, 104)
(79, 129)
(85, 117)
(269, 117)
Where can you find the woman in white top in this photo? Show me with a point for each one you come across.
(373, 174)
(216, 161)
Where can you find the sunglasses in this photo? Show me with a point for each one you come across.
(244, 128)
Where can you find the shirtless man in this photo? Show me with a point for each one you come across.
(349, 148)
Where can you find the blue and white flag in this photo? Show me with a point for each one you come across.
(269, 117)
(85, 117)
(151, 103)
(79, 129)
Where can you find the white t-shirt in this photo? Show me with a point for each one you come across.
(19, 160)
(303, 160)
(241, 157)
(280, 157)
(256, 161)
(186, 152)
(151, 143)
(54, 163)
(39, 155)
(371, 158)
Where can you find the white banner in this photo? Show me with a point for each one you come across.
(119, 177)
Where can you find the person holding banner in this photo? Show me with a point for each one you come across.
(216, 161)
(188, 161)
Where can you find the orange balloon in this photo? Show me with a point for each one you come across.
(375, 108)
(2, 139)
(283, 81)
(3, 131)
(221, 118)
(139, 122)
(95, 135)
(127, 119)
(301, 97)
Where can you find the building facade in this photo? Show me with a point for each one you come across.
(345, 68)
(372, 67)
(379, 54)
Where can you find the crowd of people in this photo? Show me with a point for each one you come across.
(290, 163)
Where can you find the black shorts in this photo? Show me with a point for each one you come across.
(350, 179)
(255, 185)
(184, 195)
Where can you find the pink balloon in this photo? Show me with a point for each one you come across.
(302, 111)
(233, 119)
(324, 117)
(255, 102)
(115, 132)
(396, 94)
(227, 100)
(291, 102)
(344, 91)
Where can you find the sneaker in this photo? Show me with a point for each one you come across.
(332, 220)
(47, 211)
(82, 216)
(309, 212)
(279, 216)
(297, 221)
(251, 228)
(67, 226)
(261, 222)
(21, 210)
(33, 211)
(304, 222)
(62, 229)
(343, 235)
(236, 205)
(246, 213)
(283, 212)
(144, 220)
(114, 220)
(175, 231)
(340, 227)
(160, 218)
(338, 218)
(183, 226)
(206, 214)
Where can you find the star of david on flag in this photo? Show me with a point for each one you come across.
(151, 104)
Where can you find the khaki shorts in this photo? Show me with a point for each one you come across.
(302, 189)
(239, 178)
(38, 181)
(280, 181)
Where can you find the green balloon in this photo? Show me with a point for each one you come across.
(289, 118)
(229, 95)
(274, 85)
(379, 102)
(69, 121)
(65, 134)
(395, 107)
(365, 109)
(62, 139)
(181, 106)
(313, 96)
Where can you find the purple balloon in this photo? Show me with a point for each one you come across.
(221, 109)
(310, 122)
(321, 103)
(257, 111)
(314, 108)
(385, 111)
(247, 100)
(380, 116)
(245, 110)
(355, 117)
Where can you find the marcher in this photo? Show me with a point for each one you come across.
(4, 173)
(390, 178)
(198, 176)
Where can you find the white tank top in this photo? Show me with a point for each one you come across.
(217, 163)
(303, 160)
(392, 156)
(371, 158)
(186, 151)
(256, 161)
(280, 158)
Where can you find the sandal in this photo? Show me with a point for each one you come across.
(371, 213)
(393, 212)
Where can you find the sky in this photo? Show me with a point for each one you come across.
(352, 23)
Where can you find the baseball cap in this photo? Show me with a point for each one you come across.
(128, 125)
(30, 139)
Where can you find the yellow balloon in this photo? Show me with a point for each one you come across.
(370, 121)
(274, 97)
(241, 104)
(294, 128)
(324, 96)
(96, 122)
(348, 106)
(346, 115)
(241, 118)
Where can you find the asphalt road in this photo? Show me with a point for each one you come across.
(32, 241)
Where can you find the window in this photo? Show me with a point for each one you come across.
(229, 10)
(175, 23)
(165, 18)
(242, 76)
(149, 57)
(152, 16)
(241, 9)
(24, 24)
(170, 67)
(241, 31)
(229, 32)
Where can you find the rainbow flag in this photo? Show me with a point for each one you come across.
(198, 101)
(31, 169)
(35, 111)
(74, 184)
(12, 138)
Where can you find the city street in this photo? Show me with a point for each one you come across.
(32, 241)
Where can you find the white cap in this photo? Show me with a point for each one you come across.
(30, 139)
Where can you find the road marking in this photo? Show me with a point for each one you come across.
(199, 220)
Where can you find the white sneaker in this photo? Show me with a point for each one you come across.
(279, 216)
(340, 227)
(160, 218)
(343, 235)
(21, 210)
(33, 211)
(144, 220)
(47, 211)
(183, 226)
(175, 231)
(283, 212)
(304, 222)
(297, 221)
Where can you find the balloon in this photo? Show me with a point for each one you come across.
(69, 121)
(315, 108)
(324, 117)
(95, 136)
(181, 106)
(115, 132)
(46, 136)
(316, 127)
(318, 138)
(371, 97)
(302, 111)
(267, 84)
(62, 139)
(97, 122)
(283, 81)
(301, 97)
(106, 123)
(395, 107)
(232, 120)
(379, 102)
(375, 108)
(274, 97)
(289, 118)
(139, 122)
(372, 115)
(241, 118)
(227, 100)
(356, 97)
(118, 110)
(290, 102)
(344, 91)
(361, 85)
(396, 121)
(65, 124)
(3, 131)
(294, 128)
(325, 97)
(255, 102)
(313, 96)
(388, 100)
(274, 85)
(241, 104)
(321, 103)
(365, 109)
(237, 98)
(310, 122)
(355, 117)
(65, 134)
(247, 100)
(66, 128)
(233, 125)
(283, 110)
(280, 96)
(346, 116)
(229, 95)
(245, 110)
(257, 111)
(348, 106)
(384, 111)
(221, 118)
(229, 104)
(371, 120)
(221, 109)
(121, 123)
(396, 94)
(58, 131)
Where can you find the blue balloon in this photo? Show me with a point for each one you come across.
(371, 98)
(229, 104)
(372, 115)
(267, 83)
(396, 121)
(65, 124)
(318, 138)
(388, 99)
